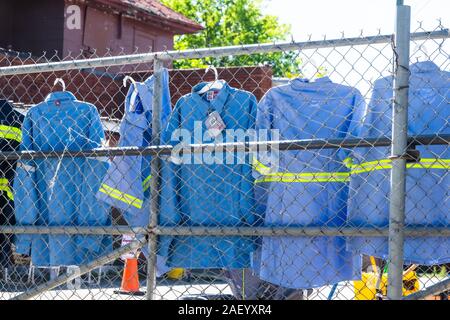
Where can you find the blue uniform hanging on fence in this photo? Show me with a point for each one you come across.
(127, 184)
(427, 180)
(306, 188)
(199, 191)
(10, 138)
(61, 191)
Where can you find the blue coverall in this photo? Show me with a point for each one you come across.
(427, 181)
(306, 188)
(203, 193)
(127, 183)
(61, 191)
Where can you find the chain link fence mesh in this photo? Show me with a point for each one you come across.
(302, 216)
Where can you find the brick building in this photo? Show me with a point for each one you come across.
(83, 26)
(71, 26)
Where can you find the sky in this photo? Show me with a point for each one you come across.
(359, 66)
(330, 17)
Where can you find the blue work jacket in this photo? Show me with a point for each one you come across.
(306, 188)
(61, 191)
(199, 192)
(127, 184)
(427, 180)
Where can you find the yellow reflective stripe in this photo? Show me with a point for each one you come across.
(8, 191)
(348, 162)
(146, 184)
(11, 133)
(356, 169)
(260, 167)
(121, 196)
(4, 186)
(306, 177)
(387, 164)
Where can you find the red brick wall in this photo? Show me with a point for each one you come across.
(107, 93)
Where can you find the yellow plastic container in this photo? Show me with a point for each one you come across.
(411, 283)
(365, 289)
(175, 274)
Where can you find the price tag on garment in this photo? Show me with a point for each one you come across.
(127, 239)
(211, 95)
(214, 123)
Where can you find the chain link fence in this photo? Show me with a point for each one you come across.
(126, 180)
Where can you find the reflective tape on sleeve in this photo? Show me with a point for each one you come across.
(121, 196)
(306, 177)
(11, 133)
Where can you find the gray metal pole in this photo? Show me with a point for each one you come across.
(155, 182)
(399, 146)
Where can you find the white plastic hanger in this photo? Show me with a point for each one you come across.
(134, 94)
(61, 82)
(215, 85)
(128, 78)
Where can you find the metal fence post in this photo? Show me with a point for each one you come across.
(399, 146)
(155, 182)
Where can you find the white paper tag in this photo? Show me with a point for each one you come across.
(127, 239)
(214, 123)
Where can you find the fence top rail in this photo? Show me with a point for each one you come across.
(213, 52)
(248, 147)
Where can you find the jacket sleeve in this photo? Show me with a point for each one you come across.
(170, 183)
(92, 212)
(263, 163)
(247, 200)
(354, 127)
(123, 185)
(166, 100)
(96, 132)
(357, 116)
(26, 189)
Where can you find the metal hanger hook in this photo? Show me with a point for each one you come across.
(216, 73)
(61, 82)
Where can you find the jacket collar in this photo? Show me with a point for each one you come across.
(61, 96)
(424, 67)
(300, 83)
(216, 104)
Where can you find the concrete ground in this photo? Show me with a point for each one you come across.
(173, 291)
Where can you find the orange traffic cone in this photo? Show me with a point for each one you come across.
(130, 280)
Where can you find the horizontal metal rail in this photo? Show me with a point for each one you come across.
(212, 52)
(225, 231)
(119, 230)
(296, 231)
(286, 145)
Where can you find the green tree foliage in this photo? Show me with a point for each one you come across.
(233, 22)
